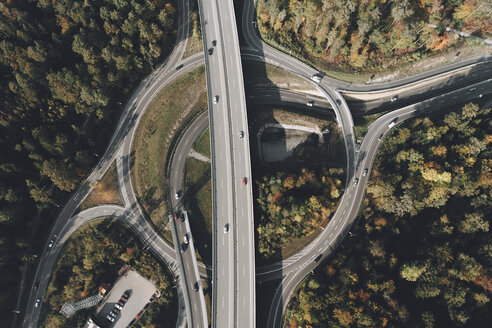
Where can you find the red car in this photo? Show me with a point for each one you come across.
(244, 181)
(175, 216)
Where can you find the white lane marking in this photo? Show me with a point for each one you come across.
(331, 234)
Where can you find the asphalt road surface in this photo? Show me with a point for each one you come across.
(233, 277)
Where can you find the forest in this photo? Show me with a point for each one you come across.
(81, 270)
(421, 251)
(67, 68)
(293, 205)
(370, 35)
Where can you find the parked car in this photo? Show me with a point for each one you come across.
(138, 314)
(118, 306)
(365, 172)
(113, 314)
(182, 217)
(116, 311)
(110, 318)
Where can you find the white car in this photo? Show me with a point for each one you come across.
(395, 98)
(119, 307)
(216, 99)
(38, 301)
(52, 242)
(310, 103)
(241, 134)
(226, 228)
(110, 318)
(365, 172)
(316, 78)
(185, 239)
(356, 181)
(176, 195)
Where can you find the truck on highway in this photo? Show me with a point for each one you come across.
(393, 123)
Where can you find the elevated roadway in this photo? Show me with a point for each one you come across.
(233, 276)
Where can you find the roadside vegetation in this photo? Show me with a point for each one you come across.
(370, 36)
(421, 252)
(106, 191)
(195, 42)
(362, 123)
(297, 195)
(79, 272)
(293, 205)
(260, 75)
(202, 144)
(174, 106)
(65, 68)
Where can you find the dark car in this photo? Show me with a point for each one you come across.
(318, 258)
(36, 285)
(179, 67)
(210, 51)
(214, 43)
(196, 287)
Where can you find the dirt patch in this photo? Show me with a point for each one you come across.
(105, 191)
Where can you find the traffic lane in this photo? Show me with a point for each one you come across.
(253, 39)
(245, 260)
(108, 156)
(219, 131)
(381, 127)
(191, 274)
(180, 156)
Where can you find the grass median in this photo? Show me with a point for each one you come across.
(105, 191)
(171, 110)
(198, 200)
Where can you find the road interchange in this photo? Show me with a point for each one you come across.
(128, 123)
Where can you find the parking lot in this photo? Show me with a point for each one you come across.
(140, 291)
